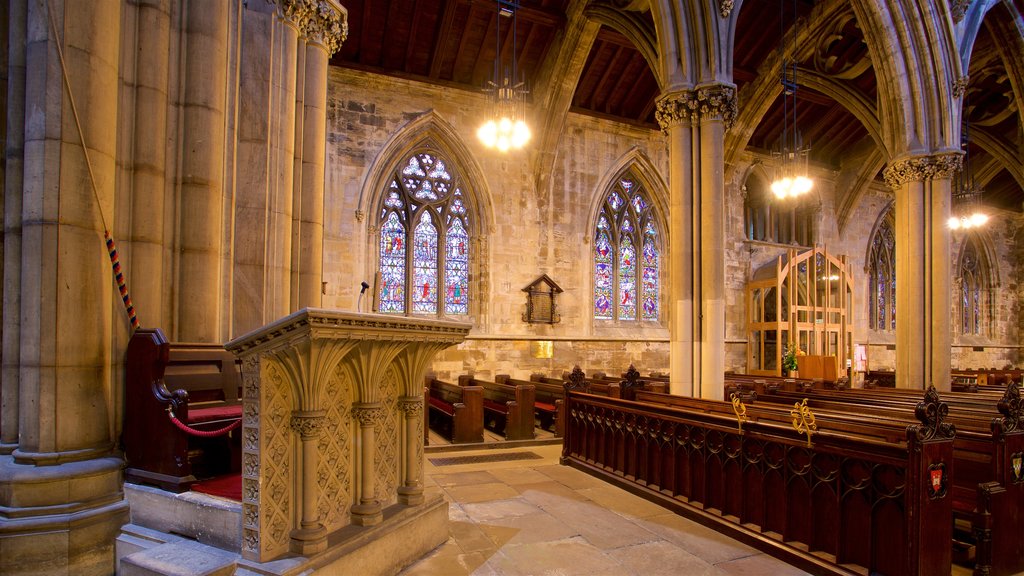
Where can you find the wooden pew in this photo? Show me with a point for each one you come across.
(200, 385)
(847, 503)
(988, 482)
(546, 402)
(456, 412)
(508, 410)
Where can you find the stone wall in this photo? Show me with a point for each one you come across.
(543, 226)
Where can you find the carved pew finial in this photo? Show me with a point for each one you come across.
(577, 380)
(1012, 408)
(931, 412)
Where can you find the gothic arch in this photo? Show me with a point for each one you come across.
(639, 166)
(428, 130)
(918, 109)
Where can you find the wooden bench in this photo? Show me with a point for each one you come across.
(200, 384)
(546, 402)
(508, 410)
(456, 412)
(988, 483)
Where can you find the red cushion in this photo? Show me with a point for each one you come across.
(544, 406)
(442, 406)
(496, 406)
(223, 412)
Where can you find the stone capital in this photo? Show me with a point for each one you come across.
(718, 102)
(712, 102)
(675, 108)
(411, 407)
(327, 25)
(368, 414)
(296, 13)
(309, 424)
(921, 168)
(725, 8)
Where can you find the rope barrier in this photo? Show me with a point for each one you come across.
(202, 433)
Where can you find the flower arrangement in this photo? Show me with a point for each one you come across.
(789, 358)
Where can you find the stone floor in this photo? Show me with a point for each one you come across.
(531, 516)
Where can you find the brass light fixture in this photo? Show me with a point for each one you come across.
(967, 195)
(791, 178)
(506, 129)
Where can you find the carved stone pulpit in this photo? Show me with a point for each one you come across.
(331, 424)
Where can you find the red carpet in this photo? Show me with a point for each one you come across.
(229, 486)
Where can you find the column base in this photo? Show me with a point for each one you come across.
(410, 495)
(367, 514)
(309, 541)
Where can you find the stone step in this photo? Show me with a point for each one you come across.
(180, 558)
(206, 519)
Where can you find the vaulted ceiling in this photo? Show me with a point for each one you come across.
(454, 42)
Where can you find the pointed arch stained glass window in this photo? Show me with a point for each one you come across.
(425, 239)
(626, 256)
(882, 273)
(975, 286)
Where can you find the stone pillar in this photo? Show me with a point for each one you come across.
(410, 492)
(261, 270)
(146, 274)
(60, 495)
(717, 111)
(368, 511)
(673, 115)
(291, 16)
(310, 537)
(695, 123)
(13, 181)
(200, 233)
(325, 31)
(923, 186)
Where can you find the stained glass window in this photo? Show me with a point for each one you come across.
(424, 233)
(626, 256)
(882, 273)
(974, 288)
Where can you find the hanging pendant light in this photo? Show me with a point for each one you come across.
(968, 197)
(791, 177)
(506, 129)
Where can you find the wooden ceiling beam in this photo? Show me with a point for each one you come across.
(444, 35)
(535, 15)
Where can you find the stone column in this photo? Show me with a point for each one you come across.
(200, 233)
(695, 123)
(410, 492)
(673, 114)
(291, 17)
(13, 170)
(718, 111)
(146, 274)
(923, 186)
(62, 482)
(368, 511)
(261, 275)
(325, 31)
(311, 536)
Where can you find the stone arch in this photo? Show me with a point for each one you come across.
(430, 131)
(633, 27)
(639, 165)
(916, 85)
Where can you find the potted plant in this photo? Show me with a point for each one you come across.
(789, 365)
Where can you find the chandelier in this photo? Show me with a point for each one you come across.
(506, 129)
(791, 177)
(967, 195)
